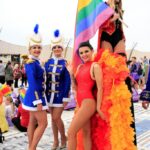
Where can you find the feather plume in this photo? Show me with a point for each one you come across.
(56, 33)
(36, 28)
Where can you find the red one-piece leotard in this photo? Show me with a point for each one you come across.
(85, 84)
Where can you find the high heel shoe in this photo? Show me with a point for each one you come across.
(54, 147)
(63, 143)
(63, 146)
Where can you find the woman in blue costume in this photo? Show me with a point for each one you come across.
(57, 88)
(145, 95)
(35, 101)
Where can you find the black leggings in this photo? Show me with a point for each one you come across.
(2, 79)
(16, 83)
(24, 80)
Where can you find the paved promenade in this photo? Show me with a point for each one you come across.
(15, 140)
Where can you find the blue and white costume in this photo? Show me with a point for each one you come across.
(58, 82)
(35, 93)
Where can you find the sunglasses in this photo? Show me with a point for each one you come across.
(54, 47)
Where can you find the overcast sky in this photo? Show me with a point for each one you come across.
(18, 17)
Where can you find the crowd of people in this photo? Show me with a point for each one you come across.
(12, 113)
(12, 73)
(49, 87)
(138, 72)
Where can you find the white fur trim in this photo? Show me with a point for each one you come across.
(39, 101)
(55, 105)
(66, 100)
(33, 108)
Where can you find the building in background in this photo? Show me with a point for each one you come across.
(12, 52)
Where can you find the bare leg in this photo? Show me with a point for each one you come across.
(41, 117)
(106, 45)
(143, 82)
(56, 117)
(80, 122)
(31, 127)
(55, 130)
(120, 47)
(87, 136)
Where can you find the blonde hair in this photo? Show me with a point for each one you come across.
(9, 98)
(112, 5)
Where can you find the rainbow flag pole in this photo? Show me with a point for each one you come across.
(91, 14)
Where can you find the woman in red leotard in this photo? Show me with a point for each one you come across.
(87, 77)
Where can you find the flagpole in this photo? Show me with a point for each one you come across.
(132, 50)
(66, 49)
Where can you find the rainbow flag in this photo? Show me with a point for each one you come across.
(22, 94)
(91, 14)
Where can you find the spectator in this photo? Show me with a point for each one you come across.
(22, 119)
(133, 65)
(24, 77)
(134, 69)
(3, 123)
(9, 74)
(145, 95)
(136, 92)
(2, 72)
(14, 96)
(145, 61)
(9, 110)
(17, 74)
(141, 73)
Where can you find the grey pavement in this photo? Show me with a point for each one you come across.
(15, 140)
